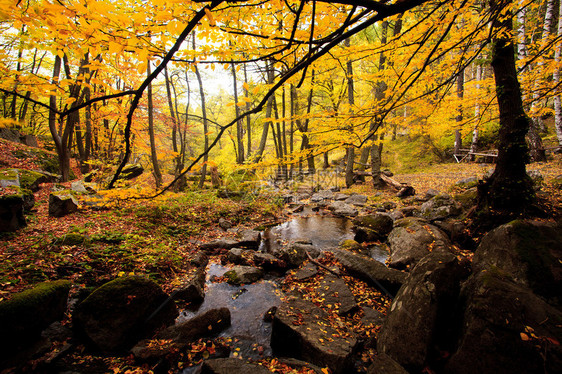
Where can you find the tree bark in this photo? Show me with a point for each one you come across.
(239, 125)
(153, 154)
(556, 79)
(509, 190)
(350, 153)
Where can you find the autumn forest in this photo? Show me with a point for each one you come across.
(173, 140)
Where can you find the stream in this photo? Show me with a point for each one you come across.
(249, 303)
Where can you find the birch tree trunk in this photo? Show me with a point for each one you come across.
(153, 154)
(556, 79)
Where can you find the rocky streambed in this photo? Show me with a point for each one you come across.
(344, 288)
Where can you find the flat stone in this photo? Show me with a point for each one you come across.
(341, 208)
(231, 366)
(243, 275)
(309, 270)
(336, 293)
(299, 330)
(357, 200)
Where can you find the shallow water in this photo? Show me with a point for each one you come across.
(247, 304)
(322, 231)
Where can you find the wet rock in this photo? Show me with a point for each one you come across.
(239, 256)
(385, 206)
(309, 270)
(371, 271)
(62, 203)
(219, 244)
(193, 290)
(243, 275)
(458, 232)
(357, 200)
(412, 239)
(440, 207)
(231, 366)
(11, 211)
(528, 252)
(339, 208)
(506, 328)
(420, 316)
(177, 337)
(211, 322)
(350, 245)
(383, 364)
(26, 314)
(250, 239)
(323, 195)
(299, 331)
(119, 313)
(81, 188)
(268, 261)
(373, 227)
(336, 293)
(293, 254)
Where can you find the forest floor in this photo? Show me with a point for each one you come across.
(157, 237)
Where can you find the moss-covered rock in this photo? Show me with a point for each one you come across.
(9, 177)
(32, 179)
(131, 171)
(529, 251)
(557, 182)
(26, 314)
(467, 198)
(62, 203)
(350, 245)
(121, 312)
(11, 210)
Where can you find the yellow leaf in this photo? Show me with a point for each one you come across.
(241, 103)
(524, 337)
(210, 17)
(246, 86)
(325, 371)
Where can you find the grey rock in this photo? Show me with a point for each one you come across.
(231, 366)
(373, 227)
(357, 200)
(219, 244)
(249, 239)
(412, 239)
(121, 312)
(495, 335)
(322, 195)
(335, 292)
(371, 271)
(225, 224)
(420, 313)
(440, 207)
(383, 364)
(299, 331)
(192, 290)
(9, 177)
(527, 252)
(62, 203)
(339, 208)
(309, 270)
(11, 212)
(243, 275)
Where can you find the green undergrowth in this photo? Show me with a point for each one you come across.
(152, 238)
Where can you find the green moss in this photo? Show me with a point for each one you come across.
(33, 297)
(350, 244)
(232, 277)
(29, 179)
(73, 238)
(9, 175)
(467, 198)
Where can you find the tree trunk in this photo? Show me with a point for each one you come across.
(239, 124)
(205, 127)
(376, 151)
(556, 79)
(248, 120)
(268, 111)
(350, 154)
(509, 190)
(153, 154)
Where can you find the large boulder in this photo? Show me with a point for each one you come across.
(371, 271)
(383, 364)
(412, 239)
(372, 227)
(506, 328)
(239, 275)
(529, 252)
(131, 171)
(231, 366)
(11, 210)
(440, 207)
(299, 330)
(33, 179)
(62, 203)
(121, 312)
(293, 254)
(420, 316)
(26, 314)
